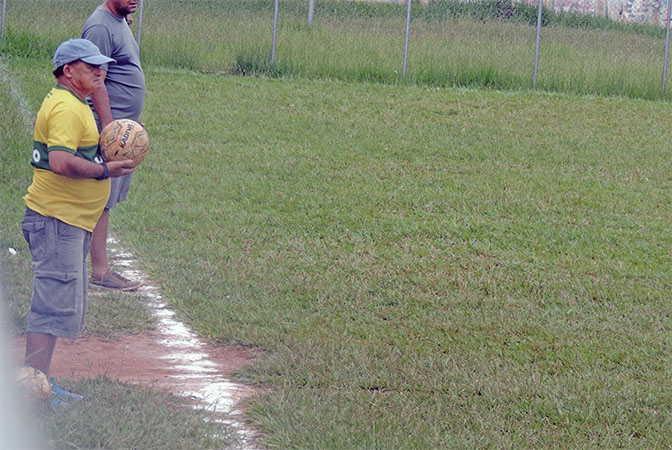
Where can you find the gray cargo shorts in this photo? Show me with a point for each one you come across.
(59, 253)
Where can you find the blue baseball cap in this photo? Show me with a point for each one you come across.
(79, 49)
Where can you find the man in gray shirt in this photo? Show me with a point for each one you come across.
(122, 97)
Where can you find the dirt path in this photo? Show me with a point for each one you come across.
(143, 359)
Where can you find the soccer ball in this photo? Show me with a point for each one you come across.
(123, 139)
(34, 384)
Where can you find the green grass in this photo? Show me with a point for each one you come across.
(16, 277)
(425, 268)
(115, 415)
(490, 43)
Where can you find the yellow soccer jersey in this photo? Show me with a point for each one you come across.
(65, 122)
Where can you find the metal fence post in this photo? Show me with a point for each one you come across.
(667, 46)
(536, 50)
(311, 11)
(408, 30)
(2, 27)
(275, 31)
(140, 23)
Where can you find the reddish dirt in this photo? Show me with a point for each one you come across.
(142, 359)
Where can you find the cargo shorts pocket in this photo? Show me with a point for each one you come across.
(55, 293)
(34, 233)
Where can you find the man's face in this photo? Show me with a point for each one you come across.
(86, 77)
(123, 7)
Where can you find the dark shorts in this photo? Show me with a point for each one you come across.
(59, 253)
(118, 190)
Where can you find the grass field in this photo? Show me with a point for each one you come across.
(424, 267)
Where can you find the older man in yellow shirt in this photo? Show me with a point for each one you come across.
(65, 200)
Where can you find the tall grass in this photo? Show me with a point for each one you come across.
(483, 44)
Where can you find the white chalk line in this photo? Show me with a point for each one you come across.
(215, 392)
(15, 93)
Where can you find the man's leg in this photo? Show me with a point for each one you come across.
(39, 350)
(59, 300)
(101, 275)
(99, 264)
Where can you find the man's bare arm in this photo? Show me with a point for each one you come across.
(101, 103)
(66, 164)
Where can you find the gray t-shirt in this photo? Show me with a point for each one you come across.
(125, 80)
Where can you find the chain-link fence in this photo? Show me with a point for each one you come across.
(499, 44)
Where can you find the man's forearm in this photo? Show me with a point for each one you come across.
(101, 103)
(67, 164)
